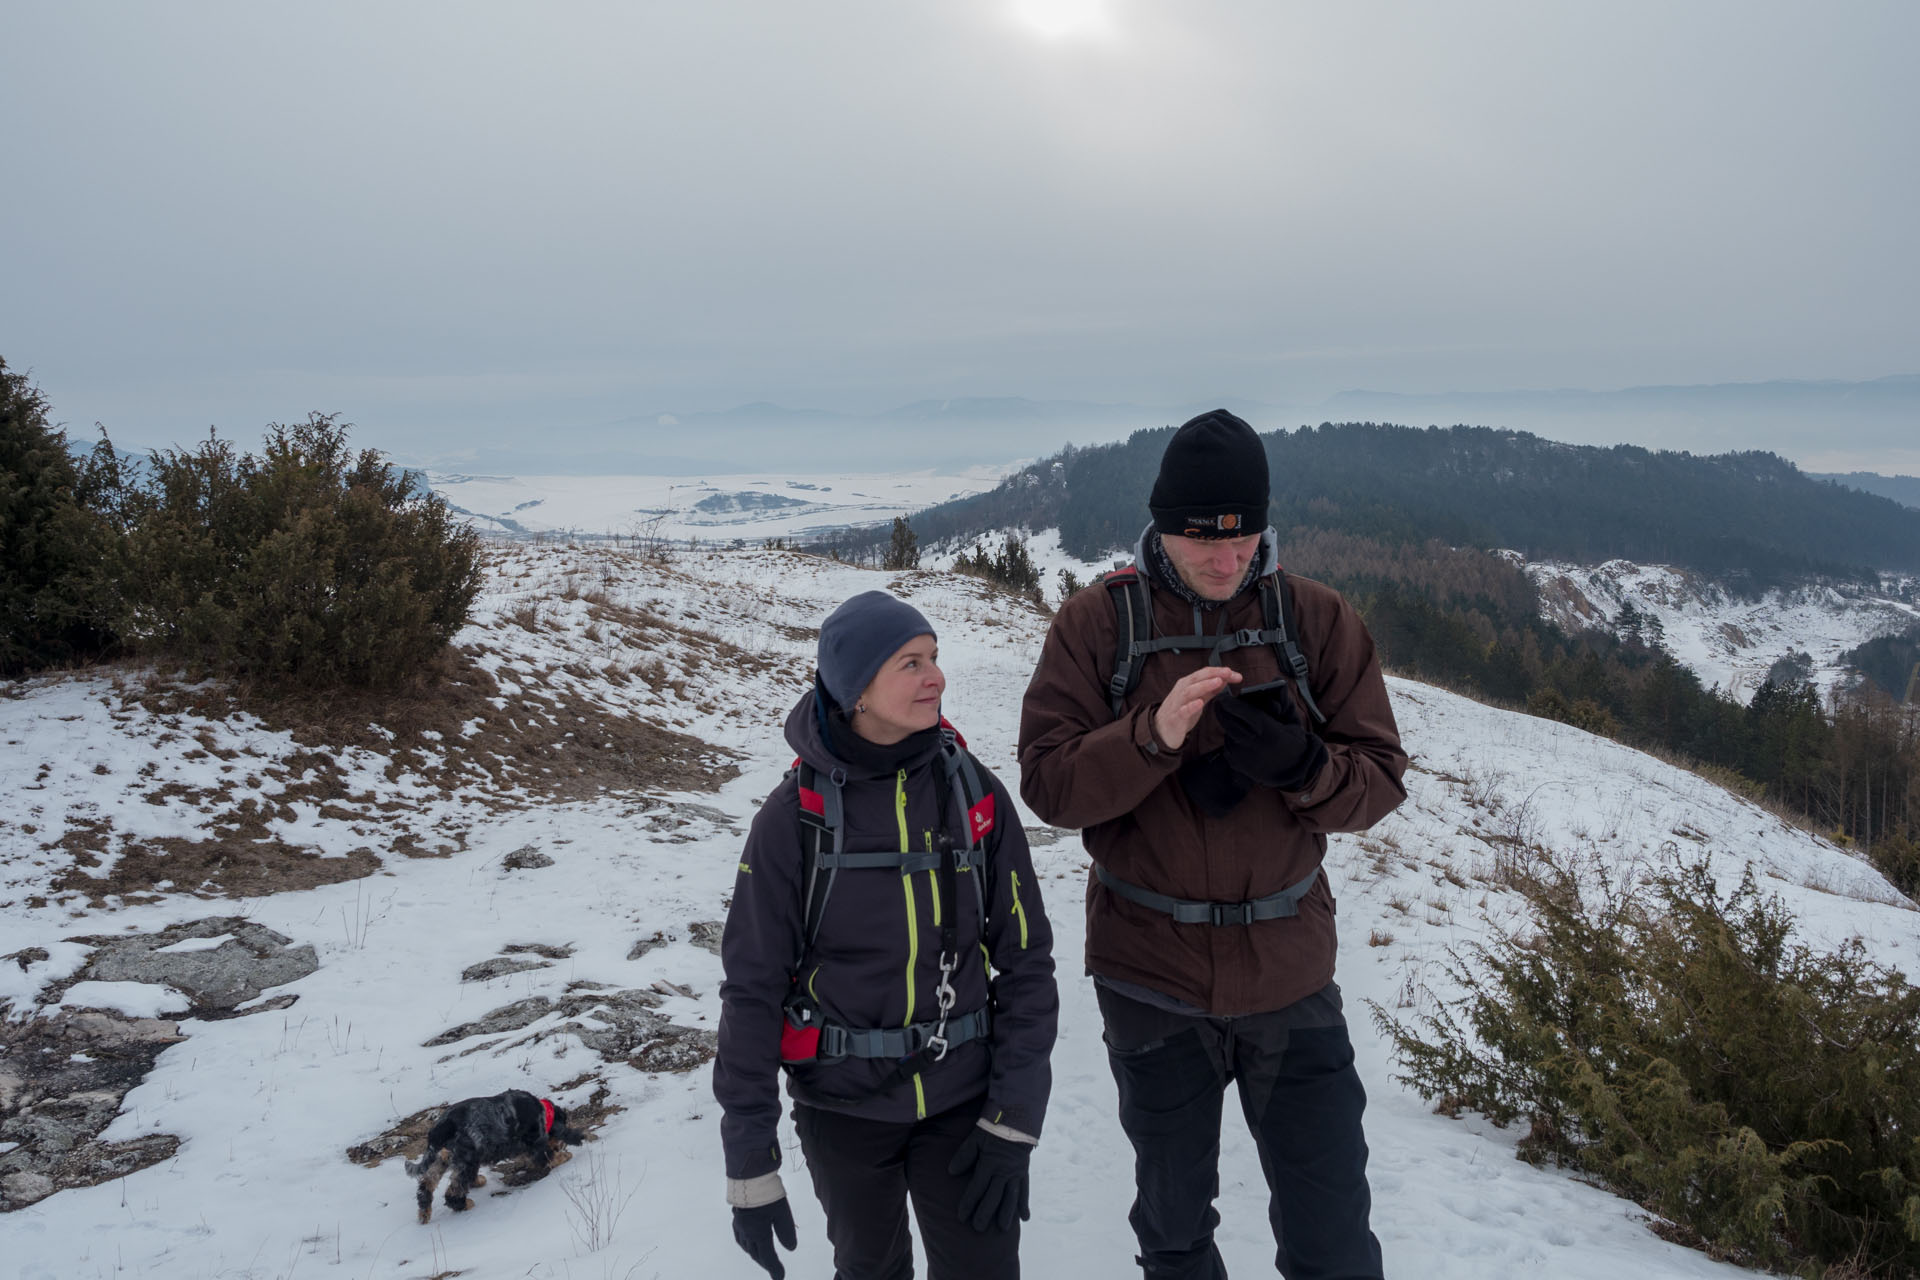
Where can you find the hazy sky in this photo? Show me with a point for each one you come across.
(450, 220)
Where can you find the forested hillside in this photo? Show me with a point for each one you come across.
(1750, 519)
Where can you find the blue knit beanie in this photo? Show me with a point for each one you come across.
(859, 636)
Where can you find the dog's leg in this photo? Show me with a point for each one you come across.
(433, 1166)
(465, 1170)
(479, 1179)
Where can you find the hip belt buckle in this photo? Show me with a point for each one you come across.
(1225, 913)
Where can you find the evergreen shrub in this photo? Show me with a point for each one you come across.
(53, 546)
(1678, 1046)
(310, 565)
(1011, 566)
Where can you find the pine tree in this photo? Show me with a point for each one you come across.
(903, 552)
(52, 548)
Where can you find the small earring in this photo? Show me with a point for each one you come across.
(859, 708)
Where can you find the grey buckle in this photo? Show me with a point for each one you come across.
(1225, 913)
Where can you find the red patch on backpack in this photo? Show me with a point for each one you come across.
(813, 802)
(980, 818)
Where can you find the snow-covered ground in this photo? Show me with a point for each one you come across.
(715, 644)
(750, 507)
(1728, 642)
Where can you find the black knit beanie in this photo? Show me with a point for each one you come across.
(1213, 480)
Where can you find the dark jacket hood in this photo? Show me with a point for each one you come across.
(812, 739)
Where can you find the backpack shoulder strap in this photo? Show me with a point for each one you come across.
(1133, 616)
(822, 826)
(1276, 604)
(976, 801)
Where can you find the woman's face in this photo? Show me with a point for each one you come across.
(905, 695)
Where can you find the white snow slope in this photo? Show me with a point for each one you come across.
(267, 1104)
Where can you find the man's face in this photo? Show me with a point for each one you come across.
(1213, 567)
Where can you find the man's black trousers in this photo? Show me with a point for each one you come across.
(865, 1170)
(1302, 1099)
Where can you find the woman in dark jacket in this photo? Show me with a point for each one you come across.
(916, 1021)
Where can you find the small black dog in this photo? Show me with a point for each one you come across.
(481, 1131)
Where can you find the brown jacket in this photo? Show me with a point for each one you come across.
(1080, 767)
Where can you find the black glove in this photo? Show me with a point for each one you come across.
(1212, 785)
(998, 1188)
(1267, 744)
(754, 1230)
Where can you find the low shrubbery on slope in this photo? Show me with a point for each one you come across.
(1673, 1042)
(310, 564)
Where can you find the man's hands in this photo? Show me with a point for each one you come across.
(1267, 744)
(754, 1230)
(1187, 701)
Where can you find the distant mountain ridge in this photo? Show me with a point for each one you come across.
(1904, 490)
(1750, 519)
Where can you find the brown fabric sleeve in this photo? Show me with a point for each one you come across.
(1361, 782)
(1078, 765)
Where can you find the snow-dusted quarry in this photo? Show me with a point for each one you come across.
(249, 948)
(1729, 642)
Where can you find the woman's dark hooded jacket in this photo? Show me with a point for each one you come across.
(875, 962)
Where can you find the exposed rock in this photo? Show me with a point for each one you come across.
(644, 945)
(500, 967)
(705, 934)
(526, 858)
(538, 949)
(21, 1189)
(216, 979)
(27, 957)
(621, 1026)
(65, 1078)
(1037, 836)
(510, 1017)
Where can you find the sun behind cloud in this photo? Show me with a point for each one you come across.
(1064, 19)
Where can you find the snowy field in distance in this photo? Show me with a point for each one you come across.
(746, 506)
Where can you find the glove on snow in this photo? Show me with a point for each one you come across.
(1267, 744)
(998, 1188)
(754, 1230)
(1212, 785)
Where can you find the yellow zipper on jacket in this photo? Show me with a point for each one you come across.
(1019, 910)
(933, 881)
(906, 884)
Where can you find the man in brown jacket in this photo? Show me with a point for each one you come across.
(1205, 792)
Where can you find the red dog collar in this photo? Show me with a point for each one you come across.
(546, 1113)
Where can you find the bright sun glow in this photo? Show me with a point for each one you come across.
(1065, 19)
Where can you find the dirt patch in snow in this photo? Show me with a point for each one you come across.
(232, 864)
(551, 740)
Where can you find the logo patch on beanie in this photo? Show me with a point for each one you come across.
(1225, 524)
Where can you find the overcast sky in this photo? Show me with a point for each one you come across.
(461, 220)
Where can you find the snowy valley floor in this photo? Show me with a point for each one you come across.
(550, 934)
